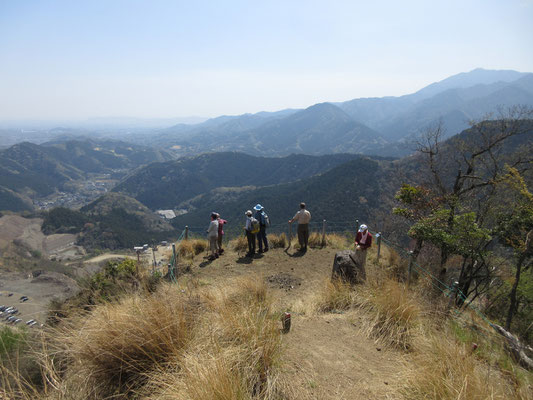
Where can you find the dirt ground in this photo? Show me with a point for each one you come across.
(326, 356)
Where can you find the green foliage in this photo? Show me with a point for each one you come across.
(115, 279)
(10, 340)
(466, 237)
(63, 220)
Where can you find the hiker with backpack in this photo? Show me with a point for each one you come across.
(221, 223)
(251, 228)
(212, 235)
(264, 222)
(302, 217)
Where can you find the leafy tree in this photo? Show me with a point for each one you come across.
(515, 230)
(453, 206)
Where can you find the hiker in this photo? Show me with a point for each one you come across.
(221, 223)
(212, 235)
(363, 241)
(264, 222)
(302, 217)
(250, 232)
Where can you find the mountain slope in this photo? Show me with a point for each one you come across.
(166, 185)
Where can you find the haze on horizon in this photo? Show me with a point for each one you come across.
(77, 60)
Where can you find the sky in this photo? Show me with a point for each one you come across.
(162, 59)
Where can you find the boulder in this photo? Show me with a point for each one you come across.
(348, 267)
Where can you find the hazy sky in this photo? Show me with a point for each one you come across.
(85, 58)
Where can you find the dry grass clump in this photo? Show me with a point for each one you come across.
(396, 313)
(235, 352)
(172, 344)
(335, 295)
(448, 370)
(240, 244)
(192, 247)
(277, 241)
(116, 345)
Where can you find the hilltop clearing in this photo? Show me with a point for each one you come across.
(326, 356)
(215, 334)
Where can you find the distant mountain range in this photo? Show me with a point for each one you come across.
(372, 126)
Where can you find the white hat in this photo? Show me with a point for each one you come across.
(249, 213)
(363, 228)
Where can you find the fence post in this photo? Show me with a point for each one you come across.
(155, 262)
(175, 259)
(186, 232)
(411, 259)
(323, 233)
(379, 244)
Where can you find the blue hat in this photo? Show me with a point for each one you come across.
(258, 207)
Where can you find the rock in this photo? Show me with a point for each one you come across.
(518, 350)
(347, 267)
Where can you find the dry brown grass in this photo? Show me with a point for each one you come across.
(235, 353)
(450, 370)
(335, 295)
(240, 244)
(116, 345)
(192, 247)
(277, 241)
(173, 344)
(393, 312)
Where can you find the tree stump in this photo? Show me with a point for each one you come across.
(348, 267)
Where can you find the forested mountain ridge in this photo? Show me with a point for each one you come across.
(166, 185)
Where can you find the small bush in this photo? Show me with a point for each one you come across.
(10, 340)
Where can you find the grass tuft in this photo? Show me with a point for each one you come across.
(335, 295)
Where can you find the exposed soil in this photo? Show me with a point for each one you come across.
(326, 356)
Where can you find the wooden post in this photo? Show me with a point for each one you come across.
(379, 244)
(323, 233)
(410, 269)
(186, 232)
(155, 262)
(175, 258)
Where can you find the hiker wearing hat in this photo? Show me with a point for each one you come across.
(302, 217)
(263, 219)
(363, 241)
(221, 223)
(251, 229)
(212, 235)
